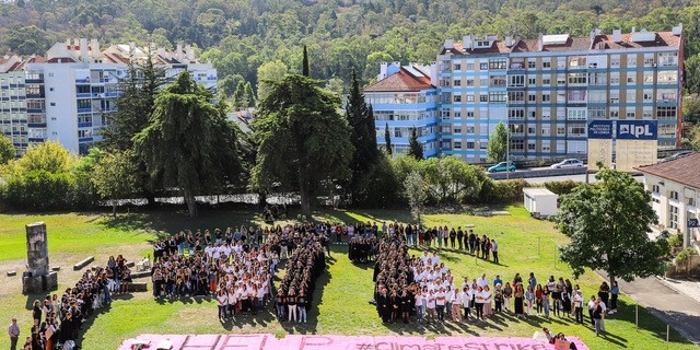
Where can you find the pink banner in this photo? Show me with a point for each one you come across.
(331, 342)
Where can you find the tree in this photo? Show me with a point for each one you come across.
(114, 177)
(608, 223)
(7, 150)
(49, 156)
(364, 140)
(303, 142)
(134, 107)
(415, 149)
(497, 149)
(249, 94)
(387, 139)
(417, 193)
(268, 73)
(305, 64)
(189, 143)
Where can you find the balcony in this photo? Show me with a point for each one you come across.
(85, 110)
(37, 125)
(84, 125)
(36, 95)
(82, 80)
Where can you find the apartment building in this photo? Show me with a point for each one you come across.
(404, 98)
(547, 89)
(65, 95)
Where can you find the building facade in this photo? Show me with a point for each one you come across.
(675, 193)
(547, 89)
(405, 98)
(65, 95)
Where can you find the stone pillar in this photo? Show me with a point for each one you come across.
(38, 277)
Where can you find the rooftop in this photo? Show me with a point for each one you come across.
(682, 170)
(403, 80)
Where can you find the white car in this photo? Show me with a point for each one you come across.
(567, 163)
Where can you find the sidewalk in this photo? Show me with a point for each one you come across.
(669, 300)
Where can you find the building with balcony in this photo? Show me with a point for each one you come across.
(65, 96)
(405, 98)
(547, 89)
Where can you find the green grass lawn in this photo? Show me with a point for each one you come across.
(342, 294)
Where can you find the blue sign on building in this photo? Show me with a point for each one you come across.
(600, 129)
(637, 129)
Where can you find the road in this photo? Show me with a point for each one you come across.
(575, 178)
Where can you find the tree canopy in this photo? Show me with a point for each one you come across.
(189, 144)
(303, 143)
(609, 225)
(7, 150)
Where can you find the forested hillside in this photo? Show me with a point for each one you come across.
(239, 36)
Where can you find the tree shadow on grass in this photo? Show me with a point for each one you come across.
(654, 321)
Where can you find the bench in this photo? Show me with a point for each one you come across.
(144, 264)
(83, 263)
(141, 274)
(11, 273)
(137, 287)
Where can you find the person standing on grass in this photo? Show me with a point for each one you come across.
(578, 306)
(597, 316)
(13, 332)
(461, 238)
(591, 307)
(494, 250)
(529, 299)
(466, 301)
(507, 295)
(538, 298)
(456, 305)
(615, 292)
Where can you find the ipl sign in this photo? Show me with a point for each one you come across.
(600, 147)
(636, 143)
(637, 130)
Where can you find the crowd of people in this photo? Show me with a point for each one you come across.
(236, 266)
(58, 319)
(422, 287)
(363, 248)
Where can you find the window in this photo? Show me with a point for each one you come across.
(561, 131)
(457, 145)
(483, 66)
(614, 113)
(53, 104)
(664, 112)
(615, 61)
(545, 131)
(631, 79)
(648, 96)
(630, 115)
(483, 98)
(497, 97)
(546, 97)
(546, 81)
(517, 145)
(672, 216)
(470, 114)
(457, 98)
(457, 66)
(470, 98)
(531, 64)
(457, 82)
(531, 146)
(470, 66)
(457, 130)
(445, 113)
(517, 97)
(614, 78)
(517, 80)
(578, 78)
(546, 64)
(655, 189)
(498, 64)
(470, 82)
(532, 97)
(516, 114)
(597, 112)
(483, 82)
(497, 81)
(531, 81)
(631, 61)
(673, 195)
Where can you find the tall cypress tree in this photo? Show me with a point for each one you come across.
(363, 137)
(387, 139)
(415, 149)
(305, 64)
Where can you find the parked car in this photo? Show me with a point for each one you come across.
(676, 155)
(567, 163)
(502, 167)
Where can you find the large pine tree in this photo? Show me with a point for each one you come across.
(415, 149)
(363, 137)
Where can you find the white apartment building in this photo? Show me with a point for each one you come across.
(65, 96)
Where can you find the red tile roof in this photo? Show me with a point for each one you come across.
(683, 170)
(663, 39)
(401, 81)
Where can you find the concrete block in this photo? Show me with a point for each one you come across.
(83, 263)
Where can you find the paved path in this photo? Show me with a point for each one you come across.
(676, 309)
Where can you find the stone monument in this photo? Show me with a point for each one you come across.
(38, 277)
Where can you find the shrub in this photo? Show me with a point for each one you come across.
(39, 191)
(560, 187)
(676, 241)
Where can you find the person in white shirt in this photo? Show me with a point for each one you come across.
(419, 298)
(440, 302)
(487, 300)
(456, 301)
(482, 281)
(578, 306)
(466, 299)
(479, 303)
(430, 305)
(222, 300)
(602, 315)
